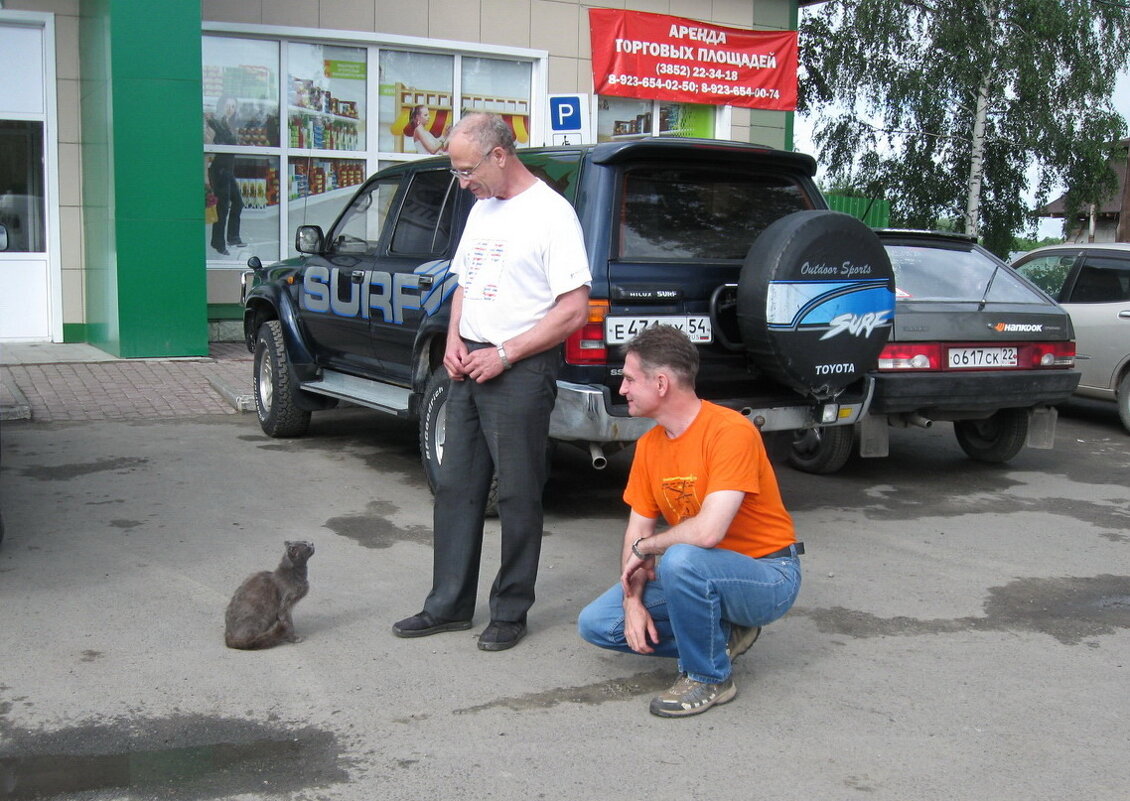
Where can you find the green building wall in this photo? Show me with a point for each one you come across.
(143, 184)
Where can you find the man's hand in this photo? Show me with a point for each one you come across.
(455, 358)
(637, 572)
(639, 629)
(483, 364)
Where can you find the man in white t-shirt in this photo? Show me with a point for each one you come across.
(523, 288)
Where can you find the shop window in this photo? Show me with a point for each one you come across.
(326, 97)
(620, 118)
(241, 214)
(417, 91)
(504, 87)
(241, 84)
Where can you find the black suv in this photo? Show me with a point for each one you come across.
(733, 243)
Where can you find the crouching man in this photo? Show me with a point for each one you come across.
(729, 554)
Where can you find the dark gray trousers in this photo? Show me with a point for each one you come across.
(500, 426)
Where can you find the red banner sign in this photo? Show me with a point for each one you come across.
(659, 57)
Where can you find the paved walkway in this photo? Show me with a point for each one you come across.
(47, 382)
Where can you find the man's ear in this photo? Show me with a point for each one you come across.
(662, 383)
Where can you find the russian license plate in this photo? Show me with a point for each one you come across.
(618, 330)
(982, 357)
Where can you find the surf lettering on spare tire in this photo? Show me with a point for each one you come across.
(816, 301)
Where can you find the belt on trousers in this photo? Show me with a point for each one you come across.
(799, 546)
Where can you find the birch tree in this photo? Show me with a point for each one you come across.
(948, 108)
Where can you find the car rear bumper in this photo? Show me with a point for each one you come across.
(583, 413)
(980, 391)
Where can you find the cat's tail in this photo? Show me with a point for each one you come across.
(259, 640)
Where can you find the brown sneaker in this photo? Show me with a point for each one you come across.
(689, 697)
(741, 638)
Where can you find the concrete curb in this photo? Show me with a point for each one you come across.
(239, 401)
(13, 403)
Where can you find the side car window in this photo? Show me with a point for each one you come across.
(1103, 279)
(1048, 272)
(424, 225)
(359, 229)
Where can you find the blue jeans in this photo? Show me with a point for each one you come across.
(697, 594)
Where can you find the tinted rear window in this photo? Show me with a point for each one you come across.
(700, 212)
(940, 273)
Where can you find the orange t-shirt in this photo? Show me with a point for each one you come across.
(721, 450)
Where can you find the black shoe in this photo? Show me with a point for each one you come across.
(221, 251)
(237, 242)
(423, 624)
(500, 635)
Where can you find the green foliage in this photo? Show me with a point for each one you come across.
(895, 86)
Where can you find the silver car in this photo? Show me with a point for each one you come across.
(1092, 282)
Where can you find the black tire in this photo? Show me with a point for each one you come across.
(995, 439)
(433, 424)
(1122, 397)
(276, 391)
(433, 434)
(816, 301)
(821, 450)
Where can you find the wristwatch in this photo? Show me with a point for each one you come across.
(502, 357)
(636, 549)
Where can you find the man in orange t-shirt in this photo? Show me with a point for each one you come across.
(729, 552)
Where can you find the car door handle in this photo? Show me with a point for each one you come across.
(426, 281)
(1125, 315)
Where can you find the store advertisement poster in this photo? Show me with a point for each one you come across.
(660, 57)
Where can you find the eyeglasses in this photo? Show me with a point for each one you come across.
(466, 174)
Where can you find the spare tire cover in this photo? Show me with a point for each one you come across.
(816, 301)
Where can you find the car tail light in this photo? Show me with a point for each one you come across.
(586, 345)
(911, 356)
(1049, 354)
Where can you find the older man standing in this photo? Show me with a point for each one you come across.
(729, 557)
(523, 288)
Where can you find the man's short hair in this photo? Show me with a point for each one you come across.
(486, 129)
(665, 346)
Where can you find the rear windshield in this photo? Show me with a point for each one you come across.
(700, 212)
(925, 272)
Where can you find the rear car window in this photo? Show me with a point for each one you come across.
(700, 212)
(939, 273)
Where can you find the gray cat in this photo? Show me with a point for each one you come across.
(259, 613)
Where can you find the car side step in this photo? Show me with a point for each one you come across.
(363, 392)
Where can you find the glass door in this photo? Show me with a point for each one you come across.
(29, 295)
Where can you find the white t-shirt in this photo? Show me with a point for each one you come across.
(516, 257)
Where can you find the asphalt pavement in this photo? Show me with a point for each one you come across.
(961, 633)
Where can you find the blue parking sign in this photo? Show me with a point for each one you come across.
(565, 113)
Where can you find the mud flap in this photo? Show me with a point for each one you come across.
(874, 436)
(1041, 427)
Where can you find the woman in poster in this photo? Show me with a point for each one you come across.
(221, 177)
(425, 141)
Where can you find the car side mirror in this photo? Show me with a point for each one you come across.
(309, 239)
(3, 237)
